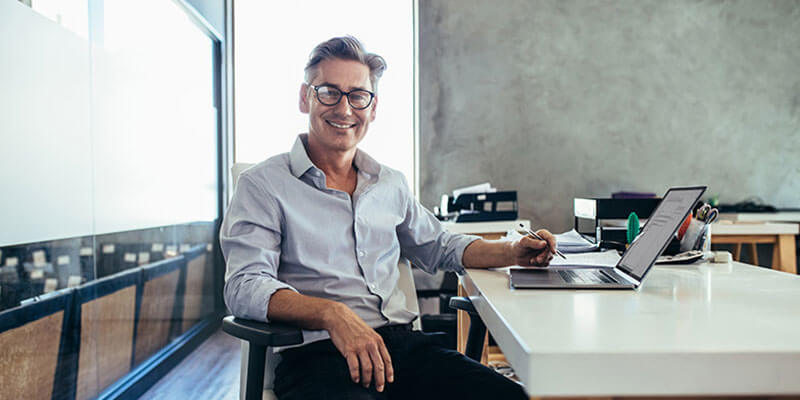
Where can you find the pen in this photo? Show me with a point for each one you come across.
(534, 234)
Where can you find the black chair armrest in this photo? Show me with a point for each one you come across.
(261, 333)
(477, 329)
(463, 304)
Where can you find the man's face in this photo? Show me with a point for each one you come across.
(339, 127)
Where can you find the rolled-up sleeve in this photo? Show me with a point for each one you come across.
(250, 239)
(425, 242)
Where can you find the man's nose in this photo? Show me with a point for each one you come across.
(343, 107)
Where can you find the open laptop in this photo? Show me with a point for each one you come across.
(634, 264)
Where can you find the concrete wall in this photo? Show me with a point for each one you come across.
(559, 99)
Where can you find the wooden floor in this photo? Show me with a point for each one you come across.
(210, 372)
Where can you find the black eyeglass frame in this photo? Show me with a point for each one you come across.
(342, 93)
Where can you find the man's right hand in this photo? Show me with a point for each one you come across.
(362, 347)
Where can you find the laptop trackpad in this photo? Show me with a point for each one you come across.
(534, 276)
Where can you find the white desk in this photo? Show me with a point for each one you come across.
(708, 329)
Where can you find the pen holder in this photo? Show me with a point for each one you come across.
(697, 237)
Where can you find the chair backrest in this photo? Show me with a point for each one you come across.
(406, 285)
(237, 170)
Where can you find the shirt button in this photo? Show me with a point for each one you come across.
(372, 286)
(361, 253)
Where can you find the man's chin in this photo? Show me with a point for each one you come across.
(339, 140)
(343, 142)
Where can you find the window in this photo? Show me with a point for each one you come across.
(272, 47)
(110, 206)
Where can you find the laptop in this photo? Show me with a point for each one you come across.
(632, 268)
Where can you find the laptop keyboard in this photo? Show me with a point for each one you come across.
(584, 276)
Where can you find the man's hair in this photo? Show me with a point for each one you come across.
(345, 48)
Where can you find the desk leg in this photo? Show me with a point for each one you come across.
(754, 253)
(462, 325)
(787, 261)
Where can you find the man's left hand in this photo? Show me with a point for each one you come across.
(529, 251)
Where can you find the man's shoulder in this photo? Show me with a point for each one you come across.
(269, 169)
(393, 176)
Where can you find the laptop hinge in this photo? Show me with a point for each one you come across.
(627, 277)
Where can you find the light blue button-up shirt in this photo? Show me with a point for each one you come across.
(284, 229)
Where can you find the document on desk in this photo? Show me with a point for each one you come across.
(573, 242)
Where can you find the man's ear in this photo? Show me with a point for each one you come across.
(374, 109)
(304, 106)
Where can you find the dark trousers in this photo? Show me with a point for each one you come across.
(424, 369)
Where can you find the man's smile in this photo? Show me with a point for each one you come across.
(340, 125)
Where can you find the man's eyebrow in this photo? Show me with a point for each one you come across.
(326, 83)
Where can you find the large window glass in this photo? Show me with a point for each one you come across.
(272, 46)
(109, 207)
(153, 118)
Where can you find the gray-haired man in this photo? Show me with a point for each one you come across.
(313, 237)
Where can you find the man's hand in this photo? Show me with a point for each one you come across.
(528, 251)
(362, 347)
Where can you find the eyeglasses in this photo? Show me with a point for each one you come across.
(330, 96)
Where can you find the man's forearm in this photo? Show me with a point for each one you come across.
(306, 312)
(487, 254)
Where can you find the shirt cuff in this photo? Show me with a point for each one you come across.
(254, 297)
(456, 263)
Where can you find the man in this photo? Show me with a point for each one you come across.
(313, 238)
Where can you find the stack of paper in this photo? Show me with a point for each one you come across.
(573, 242)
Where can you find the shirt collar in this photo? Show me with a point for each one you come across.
(299, 162)
(298, 157)
(366, 164)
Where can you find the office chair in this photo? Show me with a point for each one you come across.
(258, 338)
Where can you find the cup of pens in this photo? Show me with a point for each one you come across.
(697, 235)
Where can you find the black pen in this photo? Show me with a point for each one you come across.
(534, 234)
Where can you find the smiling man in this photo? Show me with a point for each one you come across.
(313, 237)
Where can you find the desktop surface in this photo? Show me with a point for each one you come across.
(701, 329)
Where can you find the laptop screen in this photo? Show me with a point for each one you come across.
(659, 229)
